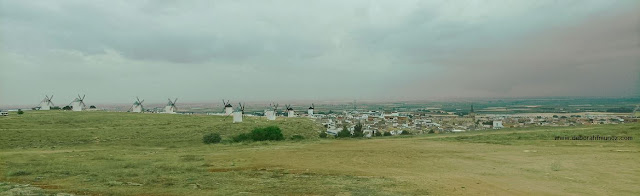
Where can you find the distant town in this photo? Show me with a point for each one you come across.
(396, 118)
(435, 120)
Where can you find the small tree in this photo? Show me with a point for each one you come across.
(323, 135)
(357, 130)
(431, 131)
(20, 111)
(345, 132)
(386, 134)
(377, 133)
(66, 108)
(211, 138)
(405, 132)
(92, 107)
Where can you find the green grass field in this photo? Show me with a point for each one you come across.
(109, 153)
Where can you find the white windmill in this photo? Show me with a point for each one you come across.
(290, 111)
(237, 115)
(310, 110)
(46, 103)
(137, 106)
(171, 107)
(271, 112)
(78, 103)
(228, 108)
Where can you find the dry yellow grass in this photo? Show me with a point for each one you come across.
(145, 162)
(446, 168)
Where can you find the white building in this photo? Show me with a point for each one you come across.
(171, 106)
(77, 106)
(237, 116)
(310, 111)
(228, 109)
(497, 124)
(271, 115)
(291, 113)
(136, 108)
(169, 109)
(46, 103)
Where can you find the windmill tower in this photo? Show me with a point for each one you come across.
(228, 108)
(237, 115)
(137, 106)
(310, 110)
(78, 103)
(271, 112)
(171, 106)
(46, 103)
(290, 112)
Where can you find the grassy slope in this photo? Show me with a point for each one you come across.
(63, 128)
(112, 153)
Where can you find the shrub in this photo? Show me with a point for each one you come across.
(377, 134)
(431, 131)
(66, 108)
(267, 133)
(386, 134)
(297, 137)
(405, 132)
(211, 138)
(261, 134)
(323, 135)
(20, 111)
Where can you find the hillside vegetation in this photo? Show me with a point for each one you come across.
(104, 153)
(46, 129)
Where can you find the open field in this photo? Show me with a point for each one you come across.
(108, 153)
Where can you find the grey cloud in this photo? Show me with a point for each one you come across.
(595, 57)
(174, 36)
(320, 49)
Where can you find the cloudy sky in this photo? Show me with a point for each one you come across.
(203, 51)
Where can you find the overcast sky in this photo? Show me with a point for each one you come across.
(203, 51)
